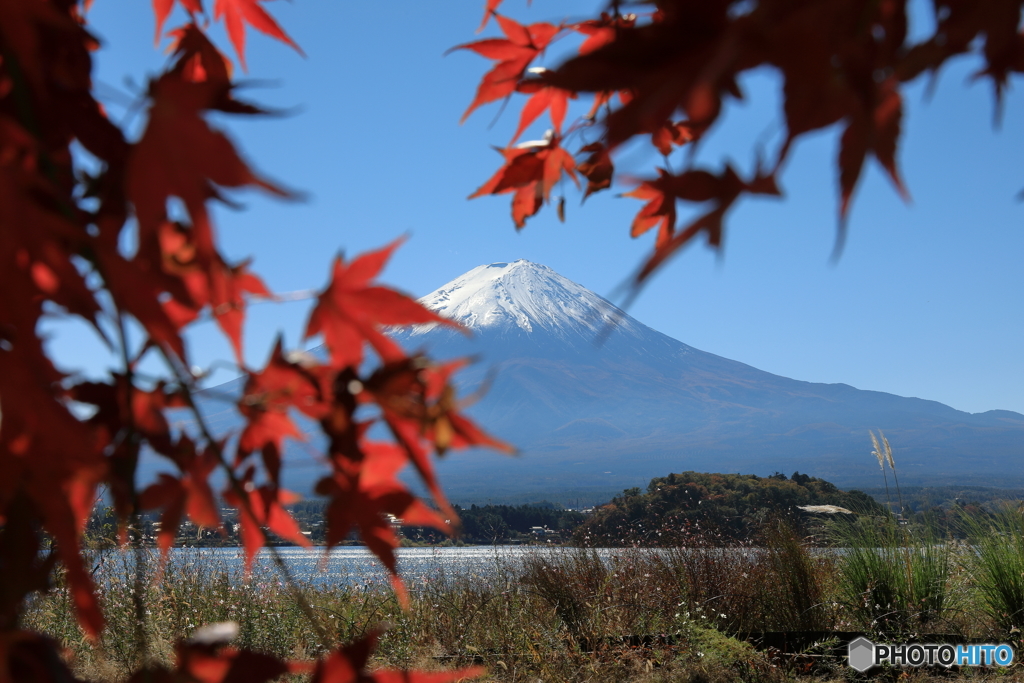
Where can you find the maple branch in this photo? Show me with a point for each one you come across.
(131, 437)
(54, 459)
(297, 295)
(242, 494)
(254, 299)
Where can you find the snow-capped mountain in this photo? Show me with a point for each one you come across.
(524, 297)
(591, 419)
(641, 404)
(524, 308)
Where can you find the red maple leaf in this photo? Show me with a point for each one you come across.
(32, 32)
(542, 97)
(179, 155)
(197, 59)
(194, 282)
(124, 426)
(238, 13)
(202, 661)
(263, 507)
(362, 493)
(137, 290)
(531, 169)
(162, 10)
(660, 209)
(489, 11)
(876, 132)
(418, 404)
(265, 403)
(188, 494)
(698, 186)
(229, 286)
(351, 311)
(680, 59)
(49, 459)
(601, 31)
(513, 55)
(837, 63)
(348, 663)
(672, 134)
(445, 426)
(597, 169)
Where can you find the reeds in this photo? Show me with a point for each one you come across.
(894, 578)
(883, 452)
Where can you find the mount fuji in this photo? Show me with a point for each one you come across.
(596, 402)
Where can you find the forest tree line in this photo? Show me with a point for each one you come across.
(718, 508)
(679, 508)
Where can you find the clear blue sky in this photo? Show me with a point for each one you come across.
(926, 300)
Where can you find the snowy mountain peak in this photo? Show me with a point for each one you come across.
(522, 295)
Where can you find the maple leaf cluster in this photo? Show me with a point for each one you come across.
(60, 234)
(665, 73)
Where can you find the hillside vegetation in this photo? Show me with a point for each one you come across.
(723, 506)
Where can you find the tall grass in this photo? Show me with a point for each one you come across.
(776, 585)
(631, 592)
(574, 614)
(558, 614)
(894, 580)
(193, 590)
(997, 566)
(796, 583)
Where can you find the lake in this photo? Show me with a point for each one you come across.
(348, 565)
(356, 566)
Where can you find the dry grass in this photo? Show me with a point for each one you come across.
(554, 615)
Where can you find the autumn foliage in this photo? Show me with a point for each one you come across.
(661, 75)
(61, 228)
(664, 74)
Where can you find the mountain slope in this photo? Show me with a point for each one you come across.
(641, 404)
(591, 419)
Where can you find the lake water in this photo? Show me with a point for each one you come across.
(357, 567)
(349, 565)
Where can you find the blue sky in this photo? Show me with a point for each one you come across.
(926, 300)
